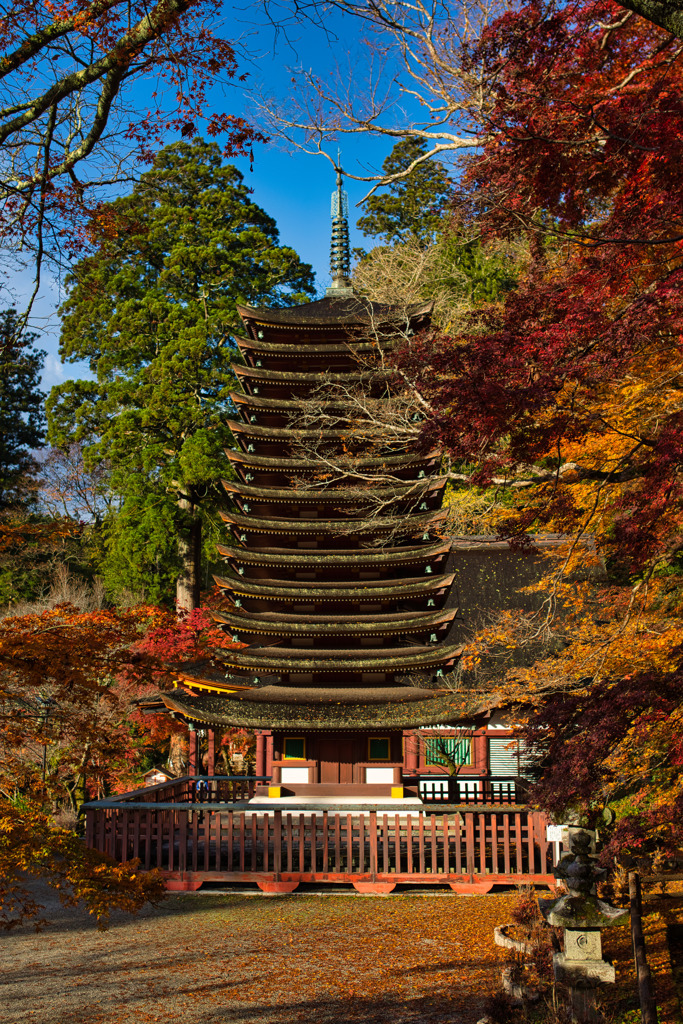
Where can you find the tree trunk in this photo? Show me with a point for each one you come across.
(189, 555)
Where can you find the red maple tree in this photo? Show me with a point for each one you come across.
(564, 400)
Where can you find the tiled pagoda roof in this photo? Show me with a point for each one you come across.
(330, 312)
(281, 349)
(286, 558)
(373, 659)
(391, 462)
(337, 495)
(407, 525)
(365, 591)
(284, 377)
(282, 624)
(283, 434)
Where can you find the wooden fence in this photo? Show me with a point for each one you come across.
(470, 851)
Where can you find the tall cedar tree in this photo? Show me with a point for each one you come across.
(412, 209)
(22, 422)
(572, 389)
(153, 311)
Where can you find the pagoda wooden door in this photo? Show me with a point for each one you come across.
(337, 757)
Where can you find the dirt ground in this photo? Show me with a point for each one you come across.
(254, 959)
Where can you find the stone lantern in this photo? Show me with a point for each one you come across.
(582, 916)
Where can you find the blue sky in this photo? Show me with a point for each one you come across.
(292, 186)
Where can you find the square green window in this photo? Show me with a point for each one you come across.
(448, 750)
(295, 747)
(378, 748)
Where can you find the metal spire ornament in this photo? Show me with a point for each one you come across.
(340, 253)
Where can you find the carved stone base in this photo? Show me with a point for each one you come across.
(582, 973)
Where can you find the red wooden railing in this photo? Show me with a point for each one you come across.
(229, 789)
(470, 851)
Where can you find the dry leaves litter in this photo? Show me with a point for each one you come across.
(247, 959)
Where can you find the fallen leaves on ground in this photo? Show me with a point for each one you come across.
(248, 959)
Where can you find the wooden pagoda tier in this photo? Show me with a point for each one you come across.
(336, 575)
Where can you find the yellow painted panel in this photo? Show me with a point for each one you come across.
(397, 792)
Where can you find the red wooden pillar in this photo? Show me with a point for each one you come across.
(192, 749)
(269, 752)
(411, 756)
(260, 766)
(211, 765)
(480, 752)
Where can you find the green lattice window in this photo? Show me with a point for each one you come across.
(379, 748)
(295, 748)
(445, 749)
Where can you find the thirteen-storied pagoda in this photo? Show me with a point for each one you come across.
(345, 612)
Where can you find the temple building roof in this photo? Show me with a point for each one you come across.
(361, 710)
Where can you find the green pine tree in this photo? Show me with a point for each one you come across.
(412, 208)
(153, 311)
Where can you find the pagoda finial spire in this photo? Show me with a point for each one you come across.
(340, 255)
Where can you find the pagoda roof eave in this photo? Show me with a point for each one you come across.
(406, 461)
(293, 348)
(284, 434)
(243, 619)
(371, 591)
(400, 489)
(333, 312)
(282, 625)
(285, 377)
(285, 559)
(336, 527)
(293, 660)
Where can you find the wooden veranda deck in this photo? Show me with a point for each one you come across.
(195, 842)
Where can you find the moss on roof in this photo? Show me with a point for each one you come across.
(326, 714)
